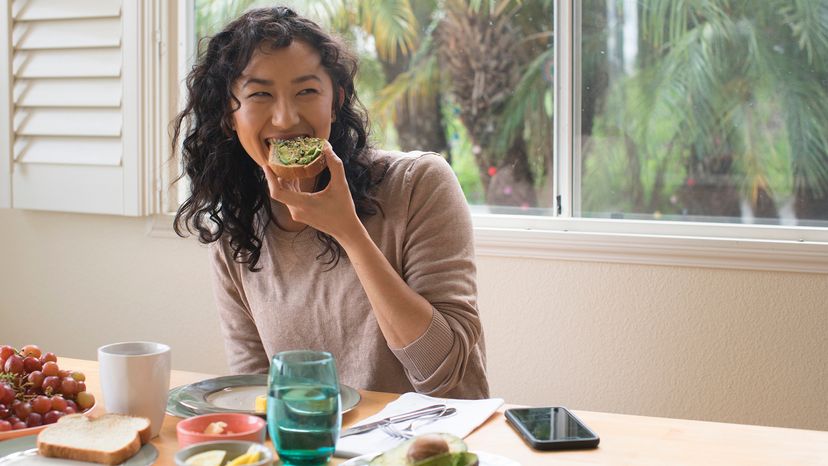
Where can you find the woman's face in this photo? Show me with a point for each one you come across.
(283, 93)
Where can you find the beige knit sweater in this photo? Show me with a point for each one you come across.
(292, 303)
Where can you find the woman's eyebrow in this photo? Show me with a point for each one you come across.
(267, 82)
(307, 77)
(251, 80)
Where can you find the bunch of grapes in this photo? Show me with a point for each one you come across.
(34, 391)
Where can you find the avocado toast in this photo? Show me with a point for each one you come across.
(296, 158)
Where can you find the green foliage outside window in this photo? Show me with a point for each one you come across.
(722, 108)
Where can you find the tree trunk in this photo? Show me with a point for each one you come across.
(419, 127)
(482, 55)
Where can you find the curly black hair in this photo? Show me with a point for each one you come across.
(228, 190)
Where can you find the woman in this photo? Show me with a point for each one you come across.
(372, 260)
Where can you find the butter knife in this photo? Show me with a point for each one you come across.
(442, 410)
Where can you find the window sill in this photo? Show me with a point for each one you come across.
(745, 247)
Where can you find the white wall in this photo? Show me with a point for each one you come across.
(733, 346)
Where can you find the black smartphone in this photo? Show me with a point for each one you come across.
(553, 428)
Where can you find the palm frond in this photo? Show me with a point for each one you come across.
(808, 22)
(804, 103)
(524, 103)
(420, 82)
(335, 14)
(393, 25)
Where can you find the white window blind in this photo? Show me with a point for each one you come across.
(79, 81)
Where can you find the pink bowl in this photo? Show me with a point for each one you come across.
(242, 426)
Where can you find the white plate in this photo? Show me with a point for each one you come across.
(485, 459)
(23, 451)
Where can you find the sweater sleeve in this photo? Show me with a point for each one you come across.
(438, 263)
(242, 343)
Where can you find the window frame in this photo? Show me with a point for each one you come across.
(5, 104)
(565, 237)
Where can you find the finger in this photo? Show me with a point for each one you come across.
(333, 161)
(278, 188)
(272, 179)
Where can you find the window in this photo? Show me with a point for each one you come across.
(681, 111)
(703, 111)
(643, 126)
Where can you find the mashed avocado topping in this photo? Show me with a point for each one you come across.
(298, 151)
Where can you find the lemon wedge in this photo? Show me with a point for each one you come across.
(247, 458)
(207, 458)
(261, 403)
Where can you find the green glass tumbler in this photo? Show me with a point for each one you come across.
(304, 410)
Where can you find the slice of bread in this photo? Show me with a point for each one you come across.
(108, 439)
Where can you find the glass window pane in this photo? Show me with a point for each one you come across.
(473, 83)
(712, 111)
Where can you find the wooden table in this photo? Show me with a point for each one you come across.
(625, 440)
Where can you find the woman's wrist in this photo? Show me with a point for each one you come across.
(353, 238)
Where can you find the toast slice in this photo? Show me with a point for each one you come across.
(108, 439)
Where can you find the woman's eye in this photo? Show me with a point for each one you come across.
(308, 91)
(260, 94)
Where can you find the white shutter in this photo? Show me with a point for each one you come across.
(73, 76)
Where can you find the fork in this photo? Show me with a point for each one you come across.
(393, 432)
(409, 431)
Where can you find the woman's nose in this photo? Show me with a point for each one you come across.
(284, 114)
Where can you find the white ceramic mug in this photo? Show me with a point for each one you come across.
(135, 379)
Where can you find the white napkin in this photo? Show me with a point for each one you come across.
(470, 414)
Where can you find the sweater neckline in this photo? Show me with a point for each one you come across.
(283, 236)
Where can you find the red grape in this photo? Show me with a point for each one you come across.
(85, 400)
(6, 394)
(4, 411)
(64, 373)
(71, 404)
(68, 386)
(18, 425)
(34, 420)
(50, 368)
(52, 417)
(51, 384)
(31, 350)
(48, 357)
(41, 404)
(70, 410)
(31, 364)
(36, 379)
(5, 426)
(12, 419)
(14, 364)
(22, 409)
(81, 387)
(6, 351)
(58, 403)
